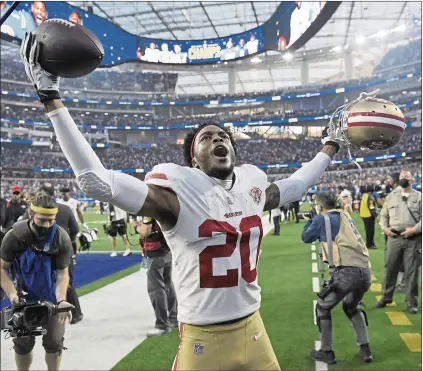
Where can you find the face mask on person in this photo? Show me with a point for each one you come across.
(403, 183)
(41, 232)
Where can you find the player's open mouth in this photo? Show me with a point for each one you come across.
(220, 151)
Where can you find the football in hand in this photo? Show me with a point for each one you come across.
(67, 49)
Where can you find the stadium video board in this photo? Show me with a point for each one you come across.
(289, 22)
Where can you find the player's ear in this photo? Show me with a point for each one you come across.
(194, 163)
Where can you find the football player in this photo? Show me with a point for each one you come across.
(210, 213)
(73, 204)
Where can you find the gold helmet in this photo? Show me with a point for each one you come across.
(367, 123)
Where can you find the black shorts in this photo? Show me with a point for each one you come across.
(119, 226)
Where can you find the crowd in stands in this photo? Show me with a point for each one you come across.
(274, 151)
(350, 178)
(401, 55)
(102, 79)
(147, 119)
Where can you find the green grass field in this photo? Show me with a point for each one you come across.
(287, 310)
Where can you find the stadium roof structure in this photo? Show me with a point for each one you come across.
(351, 25)
(362, 28)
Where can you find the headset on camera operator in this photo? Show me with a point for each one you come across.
(37, 252)
(345, 251)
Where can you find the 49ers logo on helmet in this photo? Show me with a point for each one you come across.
(256, 193)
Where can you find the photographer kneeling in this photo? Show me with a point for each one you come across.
(38, 253)
(345, 251)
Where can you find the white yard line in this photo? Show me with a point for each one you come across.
(313, 256)
(316, 285)
(320, 366)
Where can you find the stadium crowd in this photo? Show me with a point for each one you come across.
(275, 151)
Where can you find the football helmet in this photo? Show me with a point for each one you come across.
(367, 123)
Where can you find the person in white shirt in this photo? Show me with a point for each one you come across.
(73, 204)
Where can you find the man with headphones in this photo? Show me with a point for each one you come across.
(346, 253)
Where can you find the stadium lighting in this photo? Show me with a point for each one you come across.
(360, 40)
(337, 49)
(400, 28)
(255, 60)
(288, 57)
(381, 34)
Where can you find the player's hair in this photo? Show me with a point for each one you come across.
(191, 135)
(47, 188)
(328, 200)
(44, 200)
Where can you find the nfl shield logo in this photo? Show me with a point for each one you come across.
(198, 349)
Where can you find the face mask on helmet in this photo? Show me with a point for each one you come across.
(403, 183)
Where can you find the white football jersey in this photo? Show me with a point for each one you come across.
(73, 204)
(215, 243)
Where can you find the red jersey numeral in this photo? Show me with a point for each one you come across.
(207, 279)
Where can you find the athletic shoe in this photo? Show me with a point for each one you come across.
(412, 309)
(113, 254)
(365, 353)
(75, 320)
(127, 252)
(157, 332)
(325, 356)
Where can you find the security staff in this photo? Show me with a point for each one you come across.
(401, 222)
(351, 276)
(159, 276)
(39, 252)
(66, 220)
(17, 206)
(368, 212)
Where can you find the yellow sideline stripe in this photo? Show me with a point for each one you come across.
(393, 304)
(376, 287)
(374, 278)
(413, 341)
(398, 319)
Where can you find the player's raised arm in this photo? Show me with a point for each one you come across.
(122, 190)
(295, 187)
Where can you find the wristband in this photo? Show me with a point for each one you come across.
(333, 144)
(48, 95)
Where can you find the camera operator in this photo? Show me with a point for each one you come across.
(401, 222)
(159, 275)
(348, 258)
(66, 220)
(39, 252)
(118, 226)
